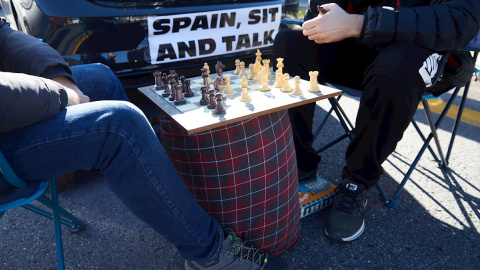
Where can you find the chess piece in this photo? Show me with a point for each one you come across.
(158, 80)
(228, 87)
(266, 64)
(179, 98)
(286, 84)
(211, 101)
(219, 109)
(167, 90)
(175, 75)
(257, 77)
(182, 81)
(242, 69)
(219, 67)
(244, 85)
(259, 56)
(280, 64)
(297, 90)
(173, 82)
(188, 90)
(237, 67)
(251, 68)
(210, 81)
(263, 74)
(204, 98)
(278, 79)
(313, 82)
(205, 76)
(218, 85)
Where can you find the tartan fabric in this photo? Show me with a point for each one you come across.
(244, 175)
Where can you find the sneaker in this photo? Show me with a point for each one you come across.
(346, 219)
(304, 175)
(237, 255)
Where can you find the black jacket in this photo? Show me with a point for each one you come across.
(26, 96)
(439, 25)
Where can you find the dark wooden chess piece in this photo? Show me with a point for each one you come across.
(179, 99)
(182, 81)
(188, 90)
(167, 92)
(219, 109)
(211, 102)
(218, 84)
(158, 80)
(204, 98)
(219, 67)
(173, 72)
(173, 82)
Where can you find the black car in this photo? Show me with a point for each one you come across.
(137, 37)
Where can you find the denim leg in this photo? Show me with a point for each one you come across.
(115, 138)
(98, 82)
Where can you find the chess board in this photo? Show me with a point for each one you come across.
(195, 117)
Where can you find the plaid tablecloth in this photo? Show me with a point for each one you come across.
(244, 175)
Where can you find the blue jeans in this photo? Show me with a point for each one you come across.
(114, 137)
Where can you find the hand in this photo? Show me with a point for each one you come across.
(333, 26)
(75, 96)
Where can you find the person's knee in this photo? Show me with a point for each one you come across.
(287, 40)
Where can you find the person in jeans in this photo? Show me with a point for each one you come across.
(55, 119)
(389, 49)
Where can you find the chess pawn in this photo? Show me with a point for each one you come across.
(297, 90)
(264, 78)
(219, 109)
(244, 85)
(158, 80)
(179, 98)
(266, 63)
(211, 101)
(237, 67)
(167, 90)
(313, 82)
(188, 90)
(280, 64)
(286, 84)
(278, 79)
(204, 98)
(242, 69)
(228, 87)
(251, 68)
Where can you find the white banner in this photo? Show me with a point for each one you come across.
(197, 35)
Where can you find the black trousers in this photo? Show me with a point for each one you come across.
(392, 89)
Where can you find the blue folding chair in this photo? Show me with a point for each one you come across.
(441, 159)
(23, 193)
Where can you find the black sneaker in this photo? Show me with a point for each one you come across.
(237, 255)
(304, 175)
(345, 220)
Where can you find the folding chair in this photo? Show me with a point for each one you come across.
(24, 193)
(441, 159)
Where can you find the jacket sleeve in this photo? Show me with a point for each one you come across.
(22, 53)
(26, 99)
(445, 25)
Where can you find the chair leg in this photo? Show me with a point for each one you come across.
(58, 227)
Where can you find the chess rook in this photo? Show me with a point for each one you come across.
(158, 80)
(179, 98)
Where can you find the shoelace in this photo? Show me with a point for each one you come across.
(347, 201)
(247, 253)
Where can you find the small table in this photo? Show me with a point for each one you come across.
(240, 166)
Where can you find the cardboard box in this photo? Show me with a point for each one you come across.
(315, 194)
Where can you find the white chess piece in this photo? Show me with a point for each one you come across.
(286, 84)
(237, 67)
(280, 64)
(228, 87)
(210, 81)
(251, 68)
(278, 79)
(266, 63)
(264, 78)
(313, 82)
(242, 69)
(297, 90)
(244, 85)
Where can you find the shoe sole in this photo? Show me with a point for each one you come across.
(350, 238)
